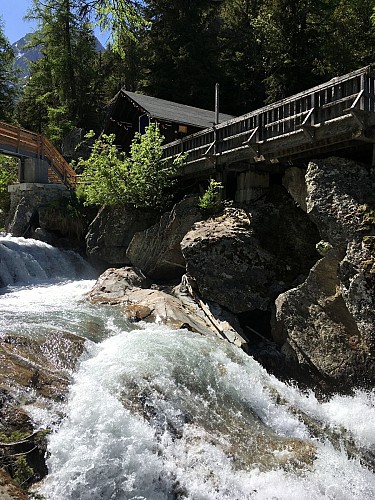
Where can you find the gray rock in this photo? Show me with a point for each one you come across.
(111, 232)
(338, 191)
(327, 324)
(318, 333)
(26, 201)
(243, 259)
(157, 250)
(114, 285)
(43, 235)
(139, 300)
(357, 283)
(294, 183)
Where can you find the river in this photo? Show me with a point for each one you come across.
(159, 414)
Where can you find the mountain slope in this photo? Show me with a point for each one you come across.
(24, 56)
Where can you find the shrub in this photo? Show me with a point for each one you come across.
(210, 201)
(142, 179)
(8, 175)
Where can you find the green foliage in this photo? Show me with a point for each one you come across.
(23, 472)
(8, 175)
(181, 47)
(210, 201)
(13, 437)
(121, 18)
(258, 50)
(142, 179)
(62, 90)
(8, 78)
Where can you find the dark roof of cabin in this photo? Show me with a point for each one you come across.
(174, 112)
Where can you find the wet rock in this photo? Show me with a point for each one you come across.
(128, 288)
(139, 300)
(157, 250)
(43, 235)
(43, 365)
(9, 489)
(115, 284)
(244, 258)
(111, 231)
(32, 372)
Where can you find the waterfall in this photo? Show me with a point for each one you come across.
(157, 414)
(26, 261)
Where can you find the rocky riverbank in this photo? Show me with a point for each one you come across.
(296, 267)
(289, 278)
(37, 373)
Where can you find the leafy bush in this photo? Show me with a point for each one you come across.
(8, 175)
(210, 201)
(142, 179)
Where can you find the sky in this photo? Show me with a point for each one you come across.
(15, 27)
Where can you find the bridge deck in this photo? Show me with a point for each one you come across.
(21, 143)
(326, 118)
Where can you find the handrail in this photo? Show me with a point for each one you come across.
(25, 142)
(314, 107)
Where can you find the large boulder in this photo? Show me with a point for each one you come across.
(327, 324)
(138, 300)
(157, 250)
(112, 230)
(244, 258)
(340, 199)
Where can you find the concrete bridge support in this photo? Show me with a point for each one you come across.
(33, 170)
(251, 185)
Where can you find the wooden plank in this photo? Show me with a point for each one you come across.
(282, 120)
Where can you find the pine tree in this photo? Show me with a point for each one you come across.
(180, 50)
(60, 93)
(240, 56)
(290, 33)
(351, 39)
(8, 79)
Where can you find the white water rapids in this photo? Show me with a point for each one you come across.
(159, 414)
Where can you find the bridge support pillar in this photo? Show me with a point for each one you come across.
(251, 185)
(33, 170)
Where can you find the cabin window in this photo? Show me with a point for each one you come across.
(182, 129)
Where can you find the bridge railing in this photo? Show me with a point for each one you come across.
(330, 101)
(68, 175)
(24, 142)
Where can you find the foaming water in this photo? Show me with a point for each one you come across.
(28, 261)
(158, 414)
(42, 309)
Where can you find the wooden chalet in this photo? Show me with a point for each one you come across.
(129, 113)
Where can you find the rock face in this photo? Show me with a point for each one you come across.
(327, 324)
(157, 250)
(129, 289)
(26, 200)
(243, 259)
(37, 373)
(111, 232)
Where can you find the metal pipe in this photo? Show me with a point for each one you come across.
(217, 119)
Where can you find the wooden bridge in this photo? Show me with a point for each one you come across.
(337, 115)
(23, 144)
